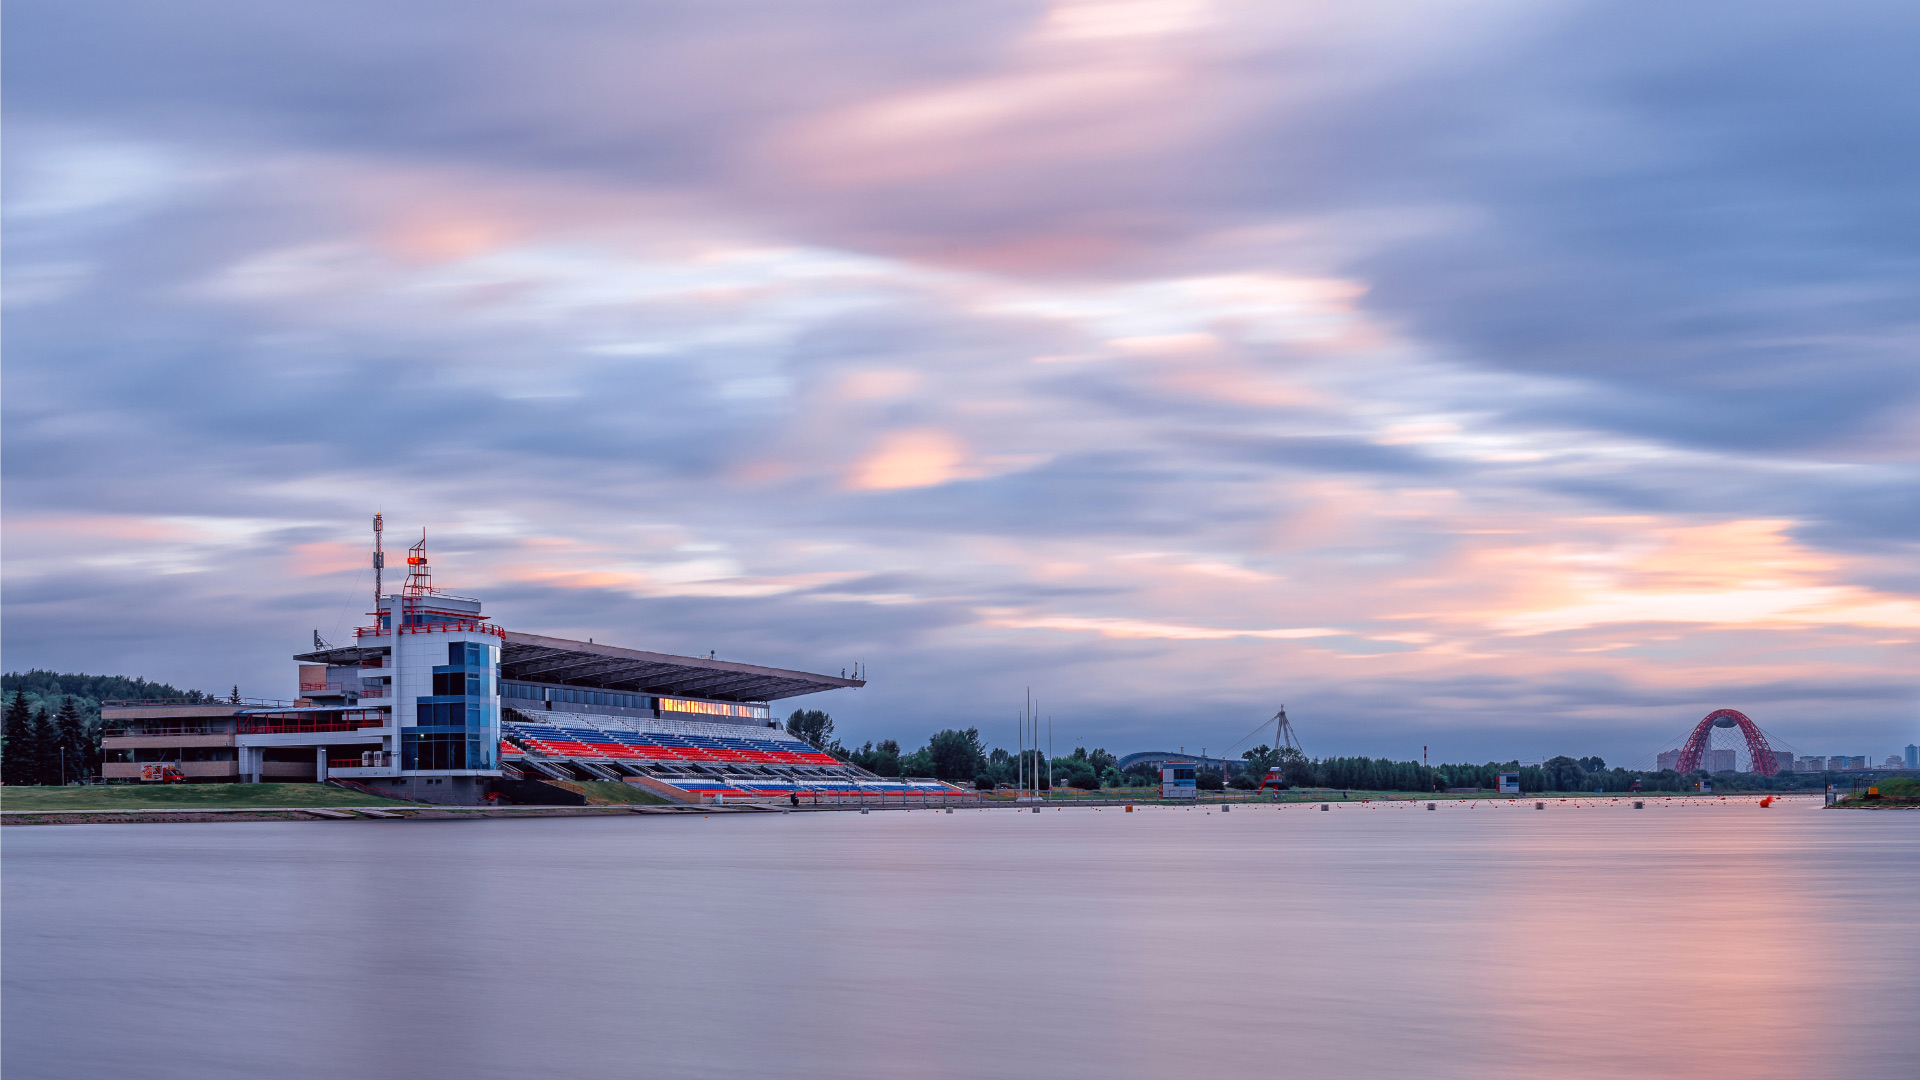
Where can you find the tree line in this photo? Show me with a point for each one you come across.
(958, 755)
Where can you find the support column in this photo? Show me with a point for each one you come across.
(319, 764)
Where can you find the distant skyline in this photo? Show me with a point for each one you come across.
(1504, 379)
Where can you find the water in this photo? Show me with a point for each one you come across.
(1585, 940)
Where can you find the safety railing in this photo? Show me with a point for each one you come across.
(163, 729)
(432, 628)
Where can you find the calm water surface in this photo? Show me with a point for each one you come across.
(1493, 941)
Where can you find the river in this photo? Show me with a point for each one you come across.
(1476, 940)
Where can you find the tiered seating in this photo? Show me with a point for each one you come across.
(572, 735)
(700, 758)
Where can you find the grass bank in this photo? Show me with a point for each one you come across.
(184, 797)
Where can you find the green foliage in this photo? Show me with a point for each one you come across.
(1899, 787)
(882, 759)
(40, 685)
(814, 726)
(18, 765)
(956, 754)
(185, 797)
(1209, 780)
(917, 764)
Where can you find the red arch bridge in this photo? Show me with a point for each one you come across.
(1697, 744)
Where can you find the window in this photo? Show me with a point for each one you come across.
(433, 750)
(442, 715)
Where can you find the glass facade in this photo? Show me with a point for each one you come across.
(458, 726)
(577, 696)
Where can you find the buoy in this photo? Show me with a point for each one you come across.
(1768, 801)
(1129, 808)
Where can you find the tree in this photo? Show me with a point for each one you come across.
(917, 764)
(1564, 774)
(1259, 760)
(882, 759)
(812, 725)
(45, 743)
(71, 742)
(1295, 767)
(956, 755)
(16, 756)
(234, 698)
(1209, 780)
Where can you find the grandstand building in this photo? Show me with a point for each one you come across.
(436, 703)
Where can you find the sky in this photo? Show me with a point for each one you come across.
(1500, 379)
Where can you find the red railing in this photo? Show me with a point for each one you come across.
(434, 628)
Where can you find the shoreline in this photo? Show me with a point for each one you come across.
(397, 811)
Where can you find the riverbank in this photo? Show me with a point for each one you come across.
(321, 802)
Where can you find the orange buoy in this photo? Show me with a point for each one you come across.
(1768, 801)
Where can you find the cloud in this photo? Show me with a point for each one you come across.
(1536, 375)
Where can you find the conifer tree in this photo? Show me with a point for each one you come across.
(17, 764)
(45, 742)
(71, 730)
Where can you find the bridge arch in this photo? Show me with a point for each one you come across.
(1695, 749)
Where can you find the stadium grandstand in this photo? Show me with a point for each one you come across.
(435, 702)
(709, 760)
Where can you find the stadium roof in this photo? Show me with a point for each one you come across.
(534, 658)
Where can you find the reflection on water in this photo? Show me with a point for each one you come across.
(1473, 941)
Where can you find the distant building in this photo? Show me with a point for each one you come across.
(1668, 760)
(1177, 780)
(1783, 759)
(1893, 761)
(1837, 763)
(1857, 762)
(1812, 764)
(1913, 756)
(1719, 761)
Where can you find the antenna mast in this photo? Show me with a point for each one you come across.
(419, 578)
(379, 561)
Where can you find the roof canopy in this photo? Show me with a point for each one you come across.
(534, 658)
